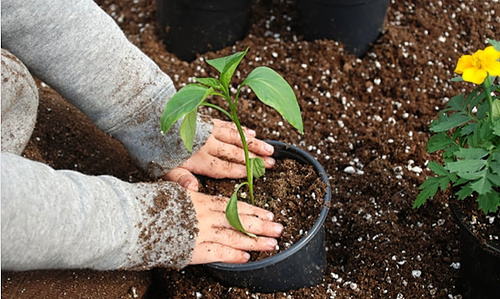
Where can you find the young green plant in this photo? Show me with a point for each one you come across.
(467, 132)
(268, 86)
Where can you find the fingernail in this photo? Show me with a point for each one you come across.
(270, 161)
(186, 184)
(252, 132)
(269, 148)
(278, 228)
(272, 243)
(246, 255)
(270, 216)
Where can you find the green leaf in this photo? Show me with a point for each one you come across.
(437, 168)
(471, 153)
(232, 215)
(495, 110)
(258, 167)
(456, 103)
(428, 189)
(438, 142)
(188, 129)
(495, 44)
(446, 123)
(463, 167)
(496, 127)
(275, 92)
(210, 82)
(482, 186)
(494, 178)
(489, 202)
(227, 65)
(183, 102)
(464, 192)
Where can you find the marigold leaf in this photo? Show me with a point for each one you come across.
(471, 153)
(494, 178)
(489, 202)
(464, 192)
(465, 166)
(428, 189)
(438, 142)
(449, 122)
(482, 186)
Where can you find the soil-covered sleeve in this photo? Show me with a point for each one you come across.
(59, 219)
(80, 51)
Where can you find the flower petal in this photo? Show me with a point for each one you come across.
(464, 63)
(490, 54)
(493, 68)
(474, 75)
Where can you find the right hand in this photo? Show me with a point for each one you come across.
(217, 241)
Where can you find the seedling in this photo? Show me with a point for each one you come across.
(268, 86)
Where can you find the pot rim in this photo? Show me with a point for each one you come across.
(459, 218)
(318, 225)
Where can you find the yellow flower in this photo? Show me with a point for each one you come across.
(474, 68)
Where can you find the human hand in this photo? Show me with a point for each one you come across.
(217, 241)
(222, 156)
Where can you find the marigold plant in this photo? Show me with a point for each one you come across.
(467, 132)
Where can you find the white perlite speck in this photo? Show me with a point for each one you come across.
(416, 273)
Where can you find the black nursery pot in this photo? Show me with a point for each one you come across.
(355, 23)
(301, 265)
(191, 27)
(480, 263)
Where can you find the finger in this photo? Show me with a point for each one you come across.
(238, 240)
(231, 125)
(218, 168)
(252, 225)
(234, 154)
(183, 177)
(229, 134)
(205, 253)
(219, 203)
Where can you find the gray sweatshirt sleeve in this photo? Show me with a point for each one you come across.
(64, 219)
(76, 48)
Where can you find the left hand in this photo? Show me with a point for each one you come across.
(222, 156)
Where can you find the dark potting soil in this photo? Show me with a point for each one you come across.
(293, 192)
(366, 120)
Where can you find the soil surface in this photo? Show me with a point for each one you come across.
(365, 119)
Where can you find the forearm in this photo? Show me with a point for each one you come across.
(76, 48)
(63, 219)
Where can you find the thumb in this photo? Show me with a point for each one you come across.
(183, 177)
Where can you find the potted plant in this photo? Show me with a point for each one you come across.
(191, 27)
(468, 134)
(355, 23)
(304, 263)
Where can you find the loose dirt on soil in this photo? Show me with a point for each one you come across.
(370, 115)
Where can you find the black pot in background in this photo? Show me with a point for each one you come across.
(191, 27)
(301, 265)
(355, 23)
(479, 265)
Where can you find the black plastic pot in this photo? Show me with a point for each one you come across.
(302, 265)
(191, 27)
(355, 23)
(480, 263)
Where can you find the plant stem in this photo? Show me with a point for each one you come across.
(218, 108)
(487, 85)
(245, 149)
